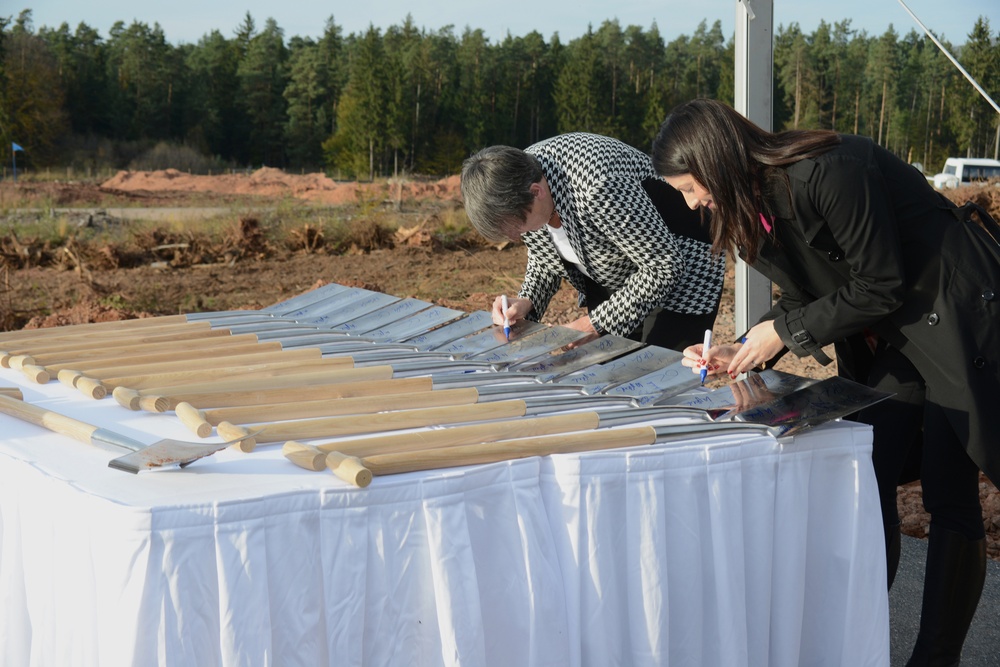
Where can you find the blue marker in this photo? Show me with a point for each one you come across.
(704, 350)
(506, 322)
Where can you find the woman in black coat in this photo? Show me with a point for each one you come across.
(868, 257)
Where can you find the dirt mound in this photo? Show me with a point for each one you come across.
(275, 183)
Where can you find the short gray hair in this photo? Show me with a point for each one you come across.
(496, 184)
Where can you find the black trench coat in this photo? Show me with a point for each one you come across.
(862, 241)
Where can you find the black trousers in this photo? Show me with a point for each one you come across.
(912, 438)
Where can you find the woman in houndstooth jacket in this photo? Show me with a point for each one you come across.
(591, 210)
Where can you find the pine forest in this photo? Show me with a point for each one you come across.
(418, 101)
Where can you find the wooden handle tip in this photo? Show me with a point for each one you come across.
(349, 468)
(240, 436)
(304, 456)
(91, 387)
(156, 404)
(19, 361)
(12, 392)
(194, 419)
(69, 377)
(127, 398)
(36, 374)
(246, 445)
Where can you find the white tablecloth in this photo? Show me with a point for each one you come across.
(730, 551)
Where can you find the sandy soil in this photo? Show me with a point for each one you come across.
(274, 183)
(44, 286)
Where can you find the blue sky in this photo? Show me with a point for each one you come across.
(188, 20)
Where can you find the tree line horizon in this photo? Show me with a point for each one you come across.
(406, 100)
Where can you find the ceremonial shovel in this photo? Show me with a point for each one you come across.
(161, 453)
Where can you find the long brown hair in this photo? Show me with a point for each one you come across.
(737, 162)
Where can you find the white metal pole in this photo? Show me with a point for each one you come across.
(753, 99)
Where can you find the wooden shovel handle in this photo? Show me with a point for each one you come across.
(12, 392)
(89, 387)
(193, 333)
(217, 345)
(26, 364)
(215, 363)
(69, 377)
(94, 327)
(79, 333)
(18, 360)
(327, 427)
(46, 419)
(113, 358)
(304, 456)
(230, 373)
(333, 407)
(62, 335)
(241, 438)
(491, 452)
(36, 374)
(359, 471)
(465, 435)
(349, 468)
(366, 381)
(194, 419)
(133, 400)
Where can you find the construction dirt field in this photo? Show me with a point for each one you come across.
(402, 240)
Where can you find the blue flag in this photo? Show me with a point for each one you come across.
(15, 147)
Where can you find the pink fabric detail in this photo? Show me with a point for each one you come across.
(767, 223)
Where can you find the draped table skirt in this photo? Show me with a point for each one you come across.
(734, 550)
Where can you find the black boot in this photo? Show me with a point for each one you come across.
(892, 547)
(953, 582)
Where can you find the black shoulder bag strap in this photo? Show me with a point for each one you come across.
(986, 221)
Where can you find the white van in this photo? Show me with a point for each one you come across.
(965, 170)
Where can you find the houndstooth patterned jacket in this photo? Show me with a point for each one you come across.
(619, 236)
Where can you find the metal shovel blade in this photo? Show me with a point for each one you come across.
(647, 389)
(331, 301)
(624, 369)
(168, 452)
(356, 308)
(381, 317)
(415, 324)
(488, 339)
(754, 390)
(543, 341)
(463, 326)
(557, 366)
(161, 453)
(820, 402)
(305, 299)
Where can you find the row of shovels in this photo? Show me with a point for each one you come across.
(314, 374)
